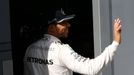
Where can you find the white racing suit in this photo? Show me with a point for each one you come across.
(49, 56)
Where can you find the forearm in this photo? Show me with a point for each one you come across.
(104, 58)
(83, 65)
(95, 65)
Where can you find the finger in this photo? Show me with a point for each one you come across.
(119, 27)
(118, 20)
(115, 20)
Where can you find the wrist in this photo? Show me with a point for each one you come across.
(115, 43)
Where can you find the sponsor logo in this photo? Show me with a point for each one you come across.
(39, 60)
(78, 57)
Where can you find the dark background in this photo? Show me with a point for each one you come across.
(29, 20)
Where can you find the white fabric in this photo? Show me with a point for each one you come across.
(49, 56)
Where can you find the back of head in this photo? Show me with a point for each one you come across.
(59, 19)
(60, 16)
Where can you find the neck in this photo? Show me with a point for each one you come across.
(52, 30)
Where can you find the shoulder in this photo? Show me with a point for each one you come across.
(65, 48)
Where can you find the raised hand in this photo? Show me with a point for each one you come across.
(117, 30)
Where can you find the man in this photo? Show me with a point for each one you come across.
(49, 56)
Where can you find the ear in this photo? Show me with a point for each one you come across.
(52, 29)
